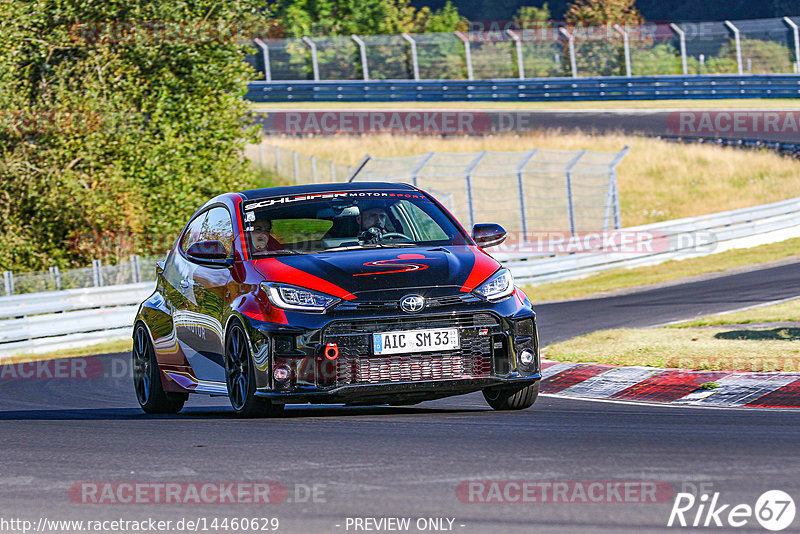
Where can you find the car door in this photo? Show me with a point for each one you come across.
(207, 296)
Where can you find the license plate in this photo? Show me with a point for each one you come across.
(409, 341)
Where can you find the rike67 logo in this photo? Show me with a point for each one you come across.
(774, 510)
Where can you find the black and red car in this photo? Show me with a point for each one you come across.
(359, 293)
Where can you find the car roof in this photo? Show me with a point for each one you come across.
(323, 188)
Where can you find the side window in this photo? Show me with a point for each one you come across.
(193, 232)
(427, 227)
(218, 227)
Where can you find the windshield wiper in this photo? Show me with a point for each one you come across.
(371, 245)
(283, 252)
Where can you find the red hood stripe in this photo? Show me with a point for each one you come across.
(483, 268)
(276, 271)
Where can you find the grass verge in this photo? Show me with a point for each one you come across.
(658, 180)
(621, 279)
(744, 103)
(695, 345)
(107, 347)
(716, 348)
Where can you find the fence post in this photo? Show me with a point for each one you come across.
(792, 25)
(136, 269)
(573, 63)
(570, 206)
(8, 282)
(521, 191)
(735, 31)
(467, 53)
(414, 60)
(627, 48)
(314, 62)
(518, 45)
(468, 182)
(261, 153)
(415, 172)
(682, 38)
(267, 66)
(314, 169)
(278, 160)
(333, 171)
(363, 49)
(97, 273)
(55, 275)
(296, 167)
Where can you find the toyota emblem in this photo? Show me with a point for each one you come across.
(412, 303)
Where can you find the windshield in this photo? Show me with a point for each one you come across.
(311, 223)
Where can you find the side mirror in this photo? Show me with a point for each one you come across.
(209, 253)
(488, 235)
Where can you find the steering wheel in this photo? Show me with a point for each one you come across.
(395, 235)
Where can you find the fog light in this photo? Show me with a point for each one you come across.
(526, 358)
(281, 374)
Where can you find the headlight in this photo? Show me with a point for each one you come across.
(498, 286)
(297, 298)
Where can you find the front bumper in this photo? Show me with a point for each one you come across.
(397, 393)
(491, 342)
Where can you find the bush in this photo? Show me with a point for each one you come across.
(108, 133)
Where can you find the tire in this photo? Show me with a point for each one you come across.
(240, 378)
(147, 378)
(512, 399)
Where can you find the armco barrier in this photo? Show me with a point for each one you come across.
(535, 89)
(741, 228)
(40, 321)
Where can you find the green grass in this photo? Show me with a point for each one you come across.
(753, 103)
(106, 347)
(621, 279)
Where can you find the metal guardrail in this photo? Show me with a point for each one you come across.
(539, 89)
(54, 320)
(739, 228)
(782, 148)
(37, 321)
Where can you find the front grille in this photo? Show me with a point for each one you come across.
(357, 365)
(389, 305)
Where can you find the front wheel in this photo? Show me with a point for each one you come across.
(147, 378)
(504, 398)
(240, 378)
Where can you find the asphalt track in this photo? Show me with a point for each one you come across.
(408, 462)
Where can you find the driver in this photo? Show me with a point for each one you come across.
(375, 217)
(263, 240)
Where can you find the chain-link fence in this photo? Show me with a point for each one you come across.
(763, 46)
(530, 191)
(133, 271)
(295, 167)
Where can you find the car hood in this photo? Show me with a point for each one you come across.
(356, 273)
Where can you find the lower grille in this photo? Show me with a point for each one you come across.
(356, 364)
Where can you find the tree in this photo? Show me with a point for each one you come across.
(602, 12)
(114, 126)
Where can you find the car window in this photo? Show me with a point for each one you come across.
(419, 222)
(218, 227)
(193, 231)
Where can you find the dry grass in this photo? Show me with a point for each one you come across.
(618, 279)
(743, 103)
(658, 180)
(690, 348)
(785, 312)
(106, 347)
